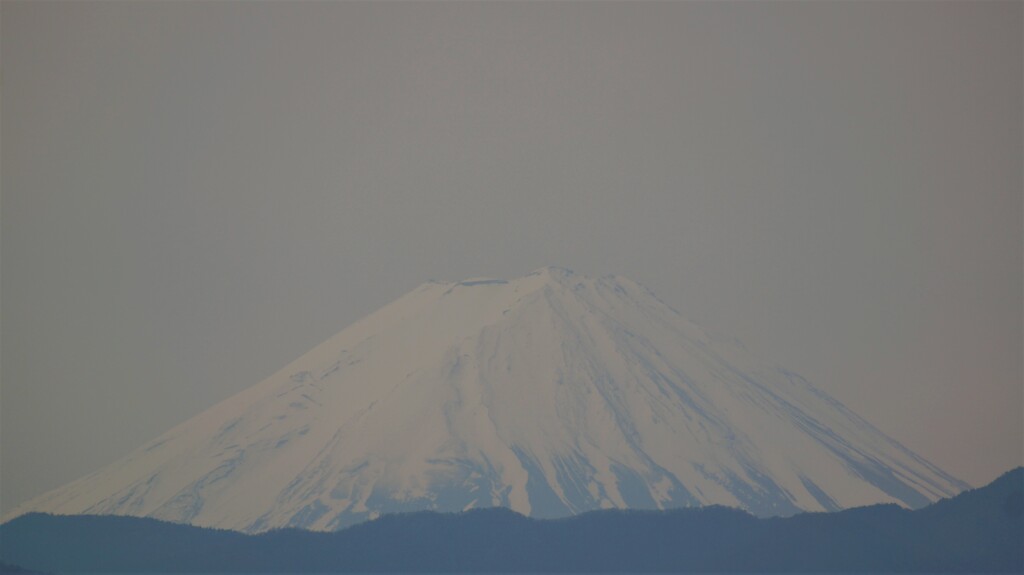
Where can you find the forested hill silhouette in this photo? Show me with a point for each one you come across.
(976, 531)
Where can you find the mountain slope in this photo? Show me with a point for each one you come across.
(551, 394)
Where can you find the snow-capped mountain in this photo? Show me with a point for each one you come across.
(551, 394)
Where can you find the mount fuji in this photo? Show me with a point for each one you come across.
(551, 394)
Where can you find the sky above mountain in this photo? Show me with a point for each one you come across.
(194, 194)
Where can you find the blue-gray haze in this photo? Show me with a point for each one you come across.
(195, 193)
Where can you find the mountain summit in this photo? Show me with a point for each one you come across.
(551, 394)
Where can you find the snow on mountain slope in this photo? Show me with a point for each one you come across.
(551, 394)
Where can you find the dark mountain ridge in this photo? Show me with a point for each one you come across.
(980, 530)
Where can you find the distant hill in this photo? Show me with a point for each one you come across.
(980, 530)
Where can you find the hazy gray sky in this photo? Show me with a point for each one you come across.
(196, 193)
